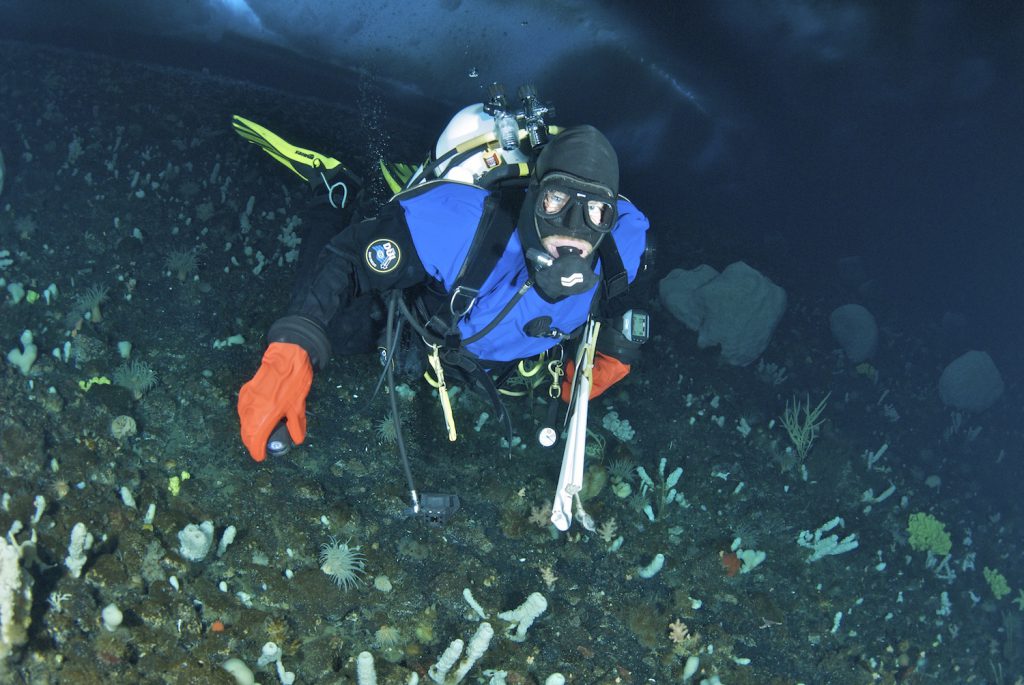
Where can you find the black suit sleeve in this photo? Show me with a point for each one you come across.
(369, 256)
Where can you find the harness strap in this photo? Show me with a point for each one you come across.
(523, 289)
(615, 277)
(489, 240)
(457, 155)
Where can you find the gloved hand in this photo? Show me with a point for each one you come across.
(607, 372)
(277, 391)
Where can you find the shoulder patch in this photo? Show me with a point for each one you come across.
(383, 255)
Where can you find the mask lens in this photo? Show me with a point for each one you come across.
(553, 201)
(599, 215)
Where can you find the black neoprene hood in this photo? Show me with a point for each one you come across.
(584, 152)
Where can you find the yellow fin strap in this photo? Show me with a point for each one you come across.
(442, 391)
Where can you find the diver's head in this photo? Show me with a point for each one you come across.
(576, 182)
(571, 206)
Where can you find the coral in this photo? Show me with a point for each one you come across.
(342, 563)
(15, 592)
(181, 263)
(84, 348)
(123, 426)
(928, 534)
(803, 423)
(639, 500)
(90, 301)
(678, 631)
(135, 377)
(60, 488)
(730, 562)
(595, 446)
(996, 582)
(771, 373)
(25, 227)
(608, 530)
(279, 632)
(621, 470)
(683, 640)
(541, 515)
(388, 636)
(547, 574)
(386, 432)
(618, 426)
(594, 480)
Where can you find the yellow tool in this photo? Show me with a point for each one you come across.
(442, 391)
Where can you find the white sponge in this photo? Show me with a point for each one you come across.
(26, 357)
(195, 541)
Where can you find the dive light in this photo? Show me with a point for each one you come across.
(280, 441)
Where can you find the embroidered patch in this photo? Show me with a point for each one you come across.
(383, 255)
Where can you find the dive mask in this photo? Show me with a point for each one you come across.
(567, 205)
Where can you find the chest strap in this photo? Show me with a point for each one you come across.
(489, 241)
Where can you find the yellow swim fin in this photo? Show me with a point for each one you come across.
(307, 164)
(311, 166)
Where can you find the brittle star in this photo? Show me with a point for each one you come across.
(768, 623)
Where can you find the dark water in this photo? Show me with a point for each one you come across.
(113, 166)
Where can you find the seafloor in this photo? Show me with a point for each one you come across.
(111, 167)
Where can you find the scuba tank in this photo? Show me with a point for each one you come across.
(488, 141)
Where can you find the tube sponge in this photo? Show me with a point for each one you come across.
(523, 616)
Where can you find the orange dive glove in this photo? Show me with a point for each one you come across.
(607, 372)
(277, 391)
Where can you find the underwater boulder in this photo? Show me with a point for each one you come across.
(855, 330)
(737, 309)
(971, 382)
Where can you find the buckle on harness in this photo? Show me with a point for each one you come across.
(461, 292)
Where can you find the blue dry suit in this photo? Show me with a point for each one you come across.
(442, 223)
(421, 238)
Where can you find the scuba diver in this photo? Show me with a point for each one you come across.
(509, 243)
